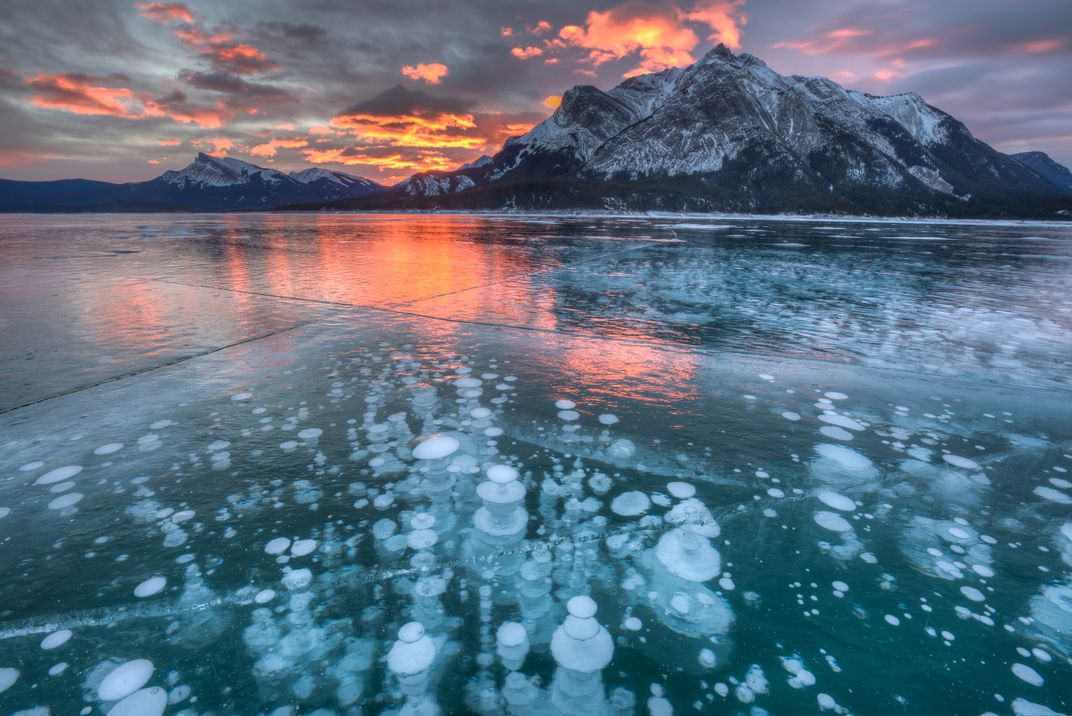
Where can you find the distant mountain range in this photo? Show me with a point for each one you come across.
(207, 184)
(730, 134)
(724, 134)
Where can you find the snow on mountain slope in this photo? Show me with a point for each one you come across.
(736, 126)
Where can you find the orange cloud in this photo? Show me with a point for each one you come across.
(506, 31)
(541, 27)
(421, 162)
(218, 47)
(431, 74)
(434, 129)
(662, 35)
(169, 142)
(724, 17)
(220, 145)
(269, 148)
(166, 11)
(81, 94)
(552, 101)
(526, 53)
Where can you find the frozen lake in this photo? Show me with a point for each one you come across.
(797, 466)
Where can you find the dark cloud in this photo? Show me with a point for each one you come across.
(399, 101)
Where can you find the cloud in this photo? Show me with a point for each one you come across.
(166, 11)
(83, 94)
(431, 74)
(270, 148)
(218, 46)
(661, 34)
(526, 53)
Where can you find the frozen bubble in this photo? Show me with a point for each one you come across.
(565, 404)
(56, 639)
(622, 449)
(832, 521)
(840, 586)
(1048, 493)
(146, 702)
(288, 446)
(479, 413)
(108, 449)
(58, 475)
(834, 395)
(64, 501)
(791, 416)
(241, 396)
(681, 490)
(1023, 707)
(414, 651)
(4, 512)
(961, 462)
(152, 585)
(836, 500)
(161, 424)
(630, 504)
(568, 415)
(303, 547)
(436, 448)
(835, 433)
(608, 418)
(892, 620)
(8, 677)
(632, 624)
(31, 466)
(277, 546)
(264, 596)
(845, 458)
(1026, 673)
(841, 421)
(57, 669)
(310, 433)
(297, 579)
(973, 594)
(125, 679)
(826, 702)
(688, 555)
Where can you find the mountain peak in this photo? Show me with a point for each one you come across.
(719, 51)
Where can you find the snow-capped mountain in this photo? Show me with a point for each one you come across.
(1046, 167)
(730, 133)
(208, 183)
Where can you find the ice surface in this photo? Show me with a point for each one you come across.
(654, 412)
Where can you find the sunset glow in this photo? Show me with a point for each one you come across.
(276, 90)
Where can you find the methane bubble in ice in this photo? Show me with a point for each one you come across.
(108, 449)
(8, 677)
(835, 500)
(58, 475)
(832, 521)
(436, 448)
(961, 462)
(687, 555)
(56, 639)
(125, 679)
(278, 545)
(146, 702)
(151, 586)
(630, 504)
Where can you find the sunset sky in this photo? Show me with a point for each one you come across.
(120, 90)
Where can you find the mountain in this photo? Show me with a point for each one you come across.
(728, 133)
(1042, 165)
(206, 184)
